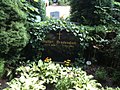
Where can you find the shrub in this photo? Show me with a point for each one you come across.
(2, 69)
(109, 88)
(103, 45)
(64, 84)
(93, 12)
(101, 74)
(40, 75)
(38, 9)
(13, 34)
(116, 77)
(61, 2)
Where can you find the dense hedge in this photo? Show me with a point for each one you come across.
(13, 34)
(93, 12)
(16, 19)
(61, 2)
(41, 9)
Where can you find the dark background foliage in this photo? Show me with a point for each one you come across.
(60, 2)
(93, 12)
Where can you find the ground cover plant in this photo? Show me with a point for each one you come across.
(51, 76)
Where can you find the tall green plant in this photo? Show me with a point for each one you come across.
(2, 67)
(84, 12)
(61, 2)
(13, 34)
(41, 9)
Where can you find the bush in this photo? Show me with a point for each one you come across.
(2, 68)
(116, 77)
(109, 88)
(38, 10)
(41, 75)
(13, 34)
(93, 12)
(103, 45)
(60, 2)
(101, 74)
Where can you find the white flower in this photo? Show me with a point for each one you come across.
(88, 63)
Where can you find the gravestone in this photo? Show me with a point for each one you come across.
(55, 14)
(60, 46)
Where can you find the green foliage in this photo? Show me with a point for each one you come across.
(94, 12)
(109, 88)
(101, 74)
(31, 11)
(116, 12)
(95, 42)
(2, 62)
(40, 75)
(116, 77)
(13, 34)
(13, 39)
(82, 11)
(39, 6)
(61, 2)
(64, 84)
(35, 10)
(103, 45)
(40, 30)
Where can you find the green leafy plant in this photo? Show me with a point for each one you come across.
(116, 77)
(64, 84)
(60, 2)
(109, 88)
(101, 74)
(13, 33)
(40, 75)
(2, 67)
(100, 12)
(40, 30)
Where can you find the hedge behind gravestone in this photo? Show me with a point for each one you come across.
(40, 6)
(86, 12)
(13, 34)
(60, 2)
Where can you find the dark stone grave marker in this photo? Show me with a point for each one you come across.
(60, 46)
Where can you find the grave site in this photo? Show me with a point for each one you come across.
(59, 45)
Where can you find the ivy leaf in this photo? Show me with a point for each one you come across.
(36, 0)
(23, 0)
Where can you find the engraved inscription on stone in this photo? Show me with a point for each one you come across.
(60, 45)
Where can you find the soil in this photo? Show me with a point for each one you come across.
(3, 84)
